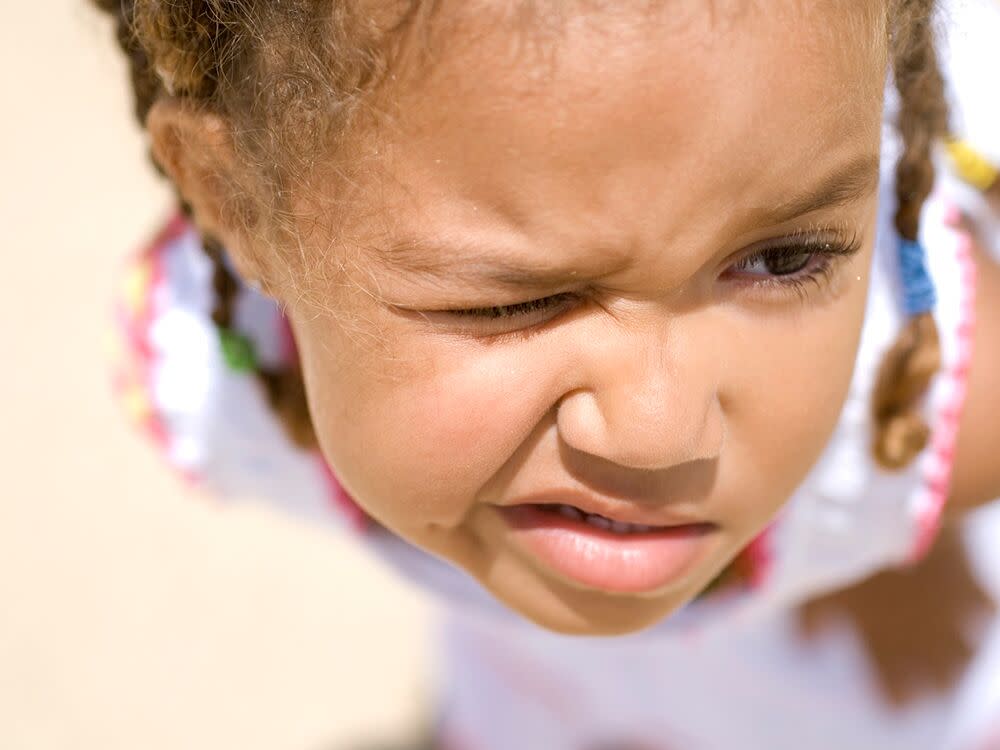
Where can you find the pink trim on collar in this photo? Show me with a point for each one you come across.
(135, 320)
(760, 557)
(938, 470)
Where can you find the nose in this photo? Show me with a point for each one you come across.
(646, 400)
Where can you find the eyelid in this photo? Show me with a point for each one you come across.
(834, 241)
(517, 312)
(464, 323)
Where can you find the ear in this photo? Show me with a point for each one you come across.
(195, 148)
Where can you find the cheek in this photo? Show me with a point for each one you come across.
(415, 437)
(784, 400)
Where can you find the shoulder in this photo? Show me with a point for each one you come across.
(968, 45)
(976, 474)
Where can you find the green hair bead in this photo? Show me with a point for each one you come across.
(237, 351)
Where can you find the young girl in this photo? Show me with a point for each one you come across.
(612, 317)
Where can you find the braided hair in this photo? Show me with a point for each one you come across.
(900, 432)
(226, 54)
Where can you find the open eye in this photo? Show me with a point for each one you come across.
(793, 265)
(777, 261)
(795, 262)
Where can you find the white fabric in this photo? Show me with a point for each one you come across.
(219, 429)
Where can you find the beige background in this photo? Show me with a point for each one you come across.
(131, 615)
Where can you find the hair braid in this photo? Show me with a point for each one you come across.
(283, 387)
(909, 365)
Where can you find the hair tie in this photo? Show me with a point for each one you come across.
(918, 287)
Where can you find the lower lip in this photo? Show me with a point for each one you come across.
(606, 560)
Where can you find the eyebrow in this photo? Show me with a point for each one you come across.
(468, 261)
(851, 182)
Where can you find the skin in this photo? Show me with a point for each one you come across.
(670, 382)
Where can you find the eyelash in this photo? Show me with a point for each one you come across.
(826, 251)
(497, 312)
(823, 255)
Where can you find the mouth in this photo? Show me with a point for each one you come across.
(597, 520)
(608, 553)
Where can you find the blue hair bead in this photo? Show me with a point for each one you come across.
(918, 287)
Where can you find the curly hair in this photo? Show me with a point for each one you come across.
(288, 76)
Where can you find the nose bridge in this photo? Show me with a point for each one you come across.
(647, 398)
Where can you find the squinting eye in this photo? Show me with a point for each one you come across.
(521, 309)
(497, 320)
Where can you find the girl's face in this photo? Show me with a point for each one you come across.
(658, 225)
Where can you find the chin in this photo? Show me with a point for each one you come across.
(560, 607)
(567, 611)
(622, 620)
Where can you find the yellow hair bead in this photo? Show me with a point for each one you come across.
(971, 165)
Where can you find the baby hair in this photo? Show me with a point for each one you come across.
(266, 66)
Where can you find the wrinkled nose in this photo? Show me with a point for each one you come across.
(645, 403)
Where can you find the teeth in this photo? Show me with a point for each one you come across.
(600, 522)
(570, 512)
(621, 527)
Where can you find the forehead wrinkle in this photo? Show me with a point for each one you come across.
(466, 261)
(472, 262)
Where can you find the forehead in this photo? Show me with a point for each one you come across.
(612, 113)
(504, 53)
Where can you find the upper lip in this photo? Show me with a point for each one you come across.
(616, 510)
